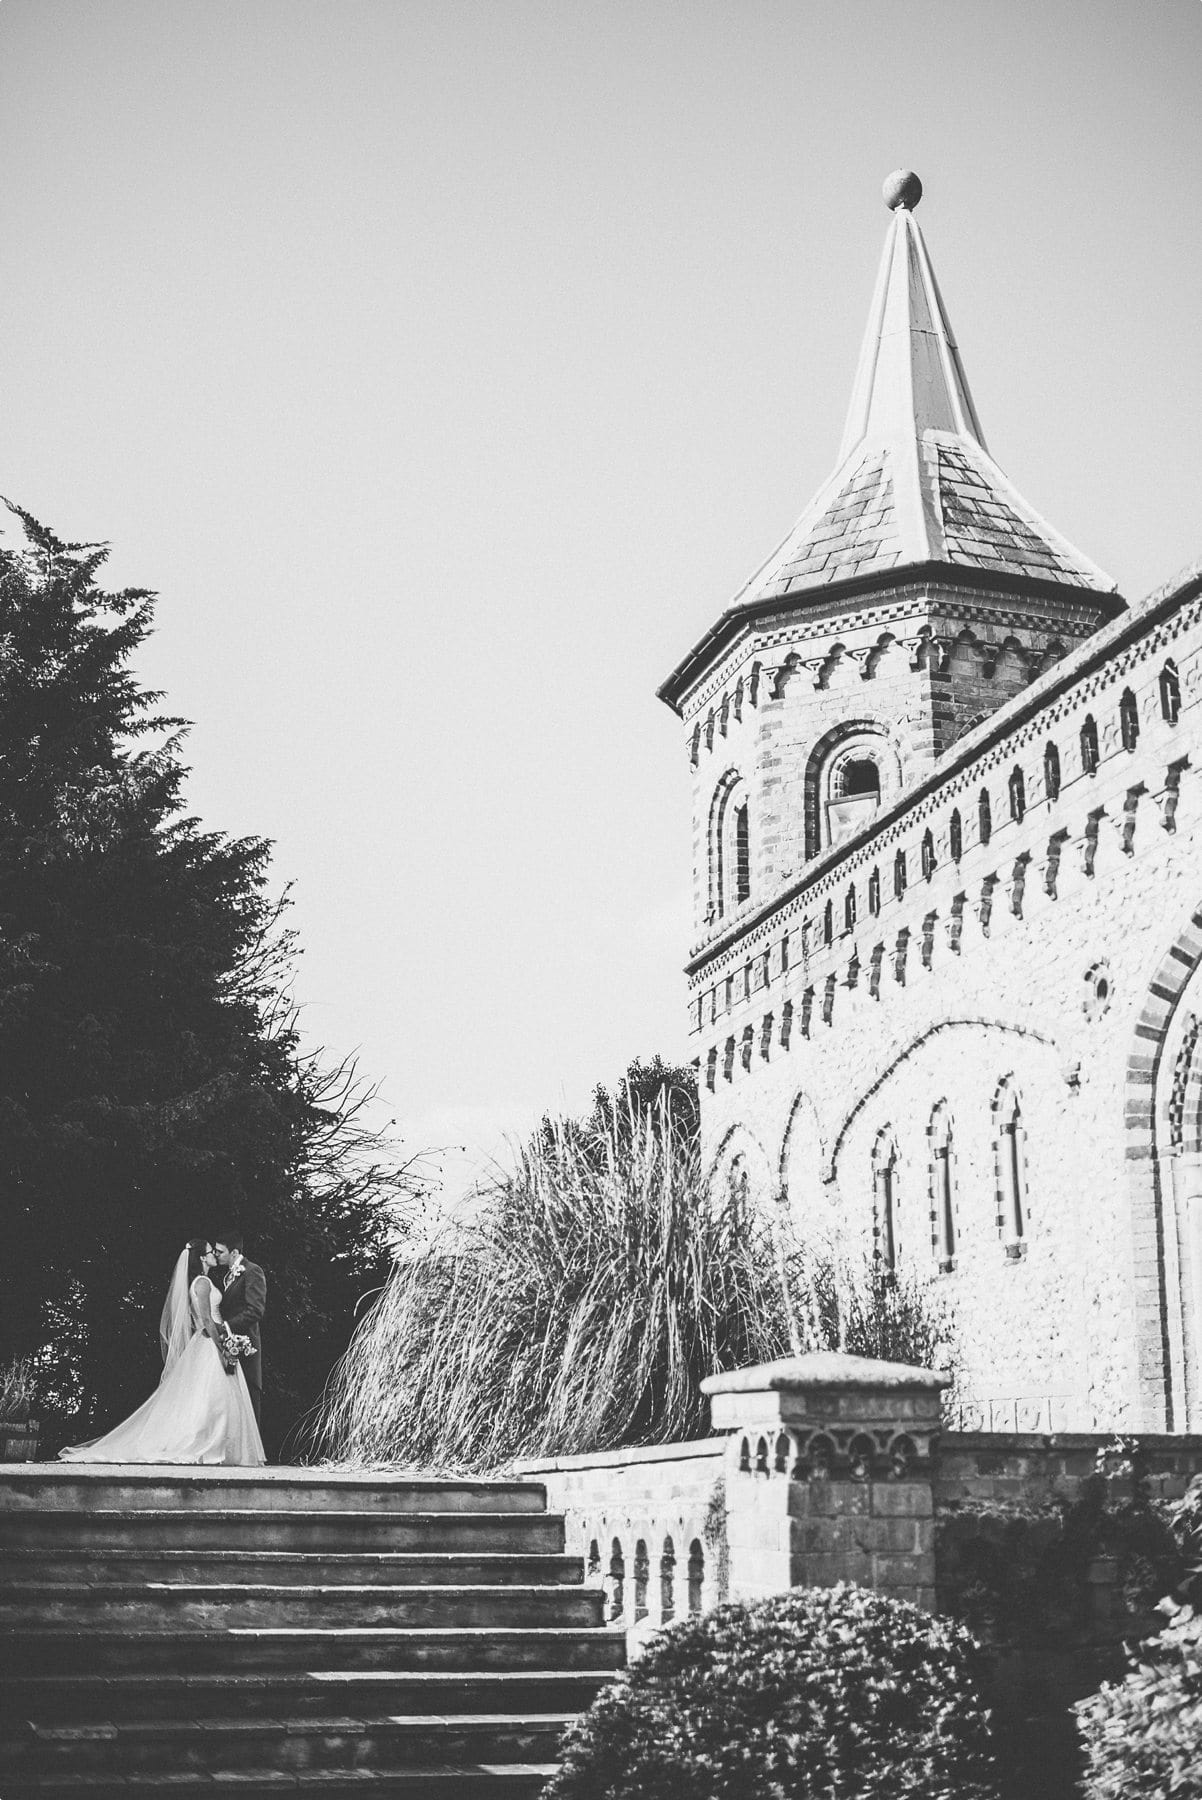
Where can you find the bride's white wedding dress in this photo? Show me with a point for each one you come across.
(197, 1414)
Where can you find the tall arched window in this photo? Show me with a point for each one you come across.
(849, 909)
(1170, 693)
(1051, 771)
(928, 854)
(984, 816)
(899, 874)
(1011, 1170)
(1089, 745)
(1018, 794)
(943, 1197)
(828, 923)
(730, 847)
(887, 1243)
(1129, 720)
(955, 836)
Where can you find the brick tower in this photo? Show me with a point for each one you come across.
(916, 594)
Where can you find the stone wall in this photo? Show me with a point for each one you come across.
(833, 1468)
(649, 1525)
(1051, 947)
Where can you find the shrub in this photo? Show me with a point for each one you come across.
(1143, 1735)
(819, 1693)
(580, 1310)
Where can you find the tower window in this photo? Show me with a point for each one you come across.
(828, 923)
(1170, 693)
(1129, 720)
(956, 836)
(742, 855)
(1018, 795)
(928, 854)
(853, 795)
(849, 909)
(1051, 771)
(1089, 745)
(874, 892)
(899, 874)
(984, 816)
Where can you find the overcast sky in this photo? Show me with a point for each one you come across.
(446, 366)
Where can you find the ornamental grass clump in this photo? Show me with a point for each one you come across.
(816, 1694)
(1143, 1735)
(579, 1310)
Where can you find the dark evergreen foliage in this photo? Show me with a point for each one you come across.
(818, 1694)
(151, 1081)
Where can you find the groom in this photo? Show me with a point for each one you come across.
(243, 1303)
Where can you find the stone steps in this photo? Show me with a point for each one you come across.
(83, 1650)
(444, 1781)
(171, 1606)
(261, 1631)
(48, 1566)
(286, 1745)
(252, 1531)
(74, 1488)
(309, 1693)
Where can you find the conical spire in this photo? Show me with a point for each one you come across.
(914, 482)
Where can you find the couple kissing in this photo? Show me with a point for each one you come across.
(206, 1408)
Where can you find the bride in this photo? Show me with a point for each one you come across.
(199, 1413)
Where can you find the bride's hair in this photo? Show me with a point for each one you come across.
(196, 1251)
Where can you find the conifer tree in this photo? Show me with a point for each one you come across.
(151, 1081)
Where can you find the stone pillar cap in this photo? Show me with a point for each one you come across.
(824, 1369)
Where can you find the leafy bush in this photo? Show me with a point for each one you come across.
(1143, 1736)
(16, 1390)
(819, 1693)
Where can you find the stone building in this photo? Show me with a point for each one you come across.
(948, 906)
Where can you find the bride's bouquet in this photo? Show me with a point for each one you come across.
(236, 1346)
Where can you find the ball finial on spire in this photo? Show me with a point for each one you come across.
(902, 190)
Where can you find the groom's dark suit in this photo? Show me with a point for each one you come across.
(243, 1303)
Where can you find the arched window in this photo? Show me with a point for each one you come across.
(984, 816)
(853, 795)
(1051, 771)
(1089, 745)
(1170, 693)
(1011, 1171)
(828, 923)
(928, 854)
(943, 1198)
(711, 1068)
(730, 848)
(899, 874)
(849, 909)
(874, 892)
(884, 1198)
(1129, 720)
(955, 836)
(742, 854)
(1018, 794)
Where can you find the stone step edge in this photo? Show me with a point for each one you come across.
(317, 1633)
(294, 1678)
(271, 1781)
(107, 1728)
(102, 1592)
(25, 1553)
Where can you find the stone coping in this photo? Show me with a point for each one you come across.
(824, 1369)
(1118, 1443)
(608, 1459)
(277, 1474)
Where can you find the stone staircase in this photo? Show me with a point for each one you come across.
(180, 1631)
